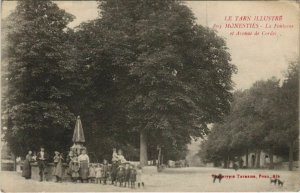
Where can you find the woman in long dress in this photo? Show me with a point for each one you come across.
(84, 162)
(58, 170)
(26, 172)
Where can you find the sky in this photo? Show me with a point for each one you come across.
(256, 57)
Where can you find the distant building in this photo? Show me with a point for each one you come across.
(264, 161)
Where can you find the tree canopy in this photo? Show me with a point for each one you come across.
(262, 118)
(178, 73)
(37, 76)
(142, 69)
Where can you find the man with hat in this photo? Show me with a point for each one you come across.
(42, 158)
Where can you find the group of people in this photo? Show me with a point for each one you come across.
(78, 165)
(41, 158)
(123, 172)
(81, 170)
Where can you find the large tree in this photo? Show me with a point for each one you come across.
(261, 104)
(98, 99)
(287, 119)
(263, 117)
(230, 138)
(143, 69)
(37, 76)
(177, 73)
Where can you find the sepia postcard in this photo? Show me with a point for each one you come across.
(149, 96)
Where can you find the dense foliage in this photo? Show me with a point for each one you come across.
(37, 77)
(262, 118)
(142, 74)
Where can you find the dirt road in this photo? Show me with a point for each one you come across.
(175, 180)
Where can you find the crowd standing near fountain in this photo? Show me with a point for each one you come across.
(119, 173)
(80, 170)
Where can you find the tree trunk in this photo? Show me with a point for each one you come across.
(228, 162)
(291, 158)
(159, 157)
(271, 159)
(253, 160)
(258, 159)
(143, 149)
(15, 162)
(240, 162)
(247, 158)
(225, 163)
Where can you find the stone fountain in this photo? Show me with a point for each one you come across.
(78, 137)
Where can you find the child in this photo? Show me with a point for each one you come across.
(113, 172)
(75, 171)
(132, 178)
(139, 178)
(121, 175)
(98, 173)
(126, 175)
(92, 173)
(104, 171)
